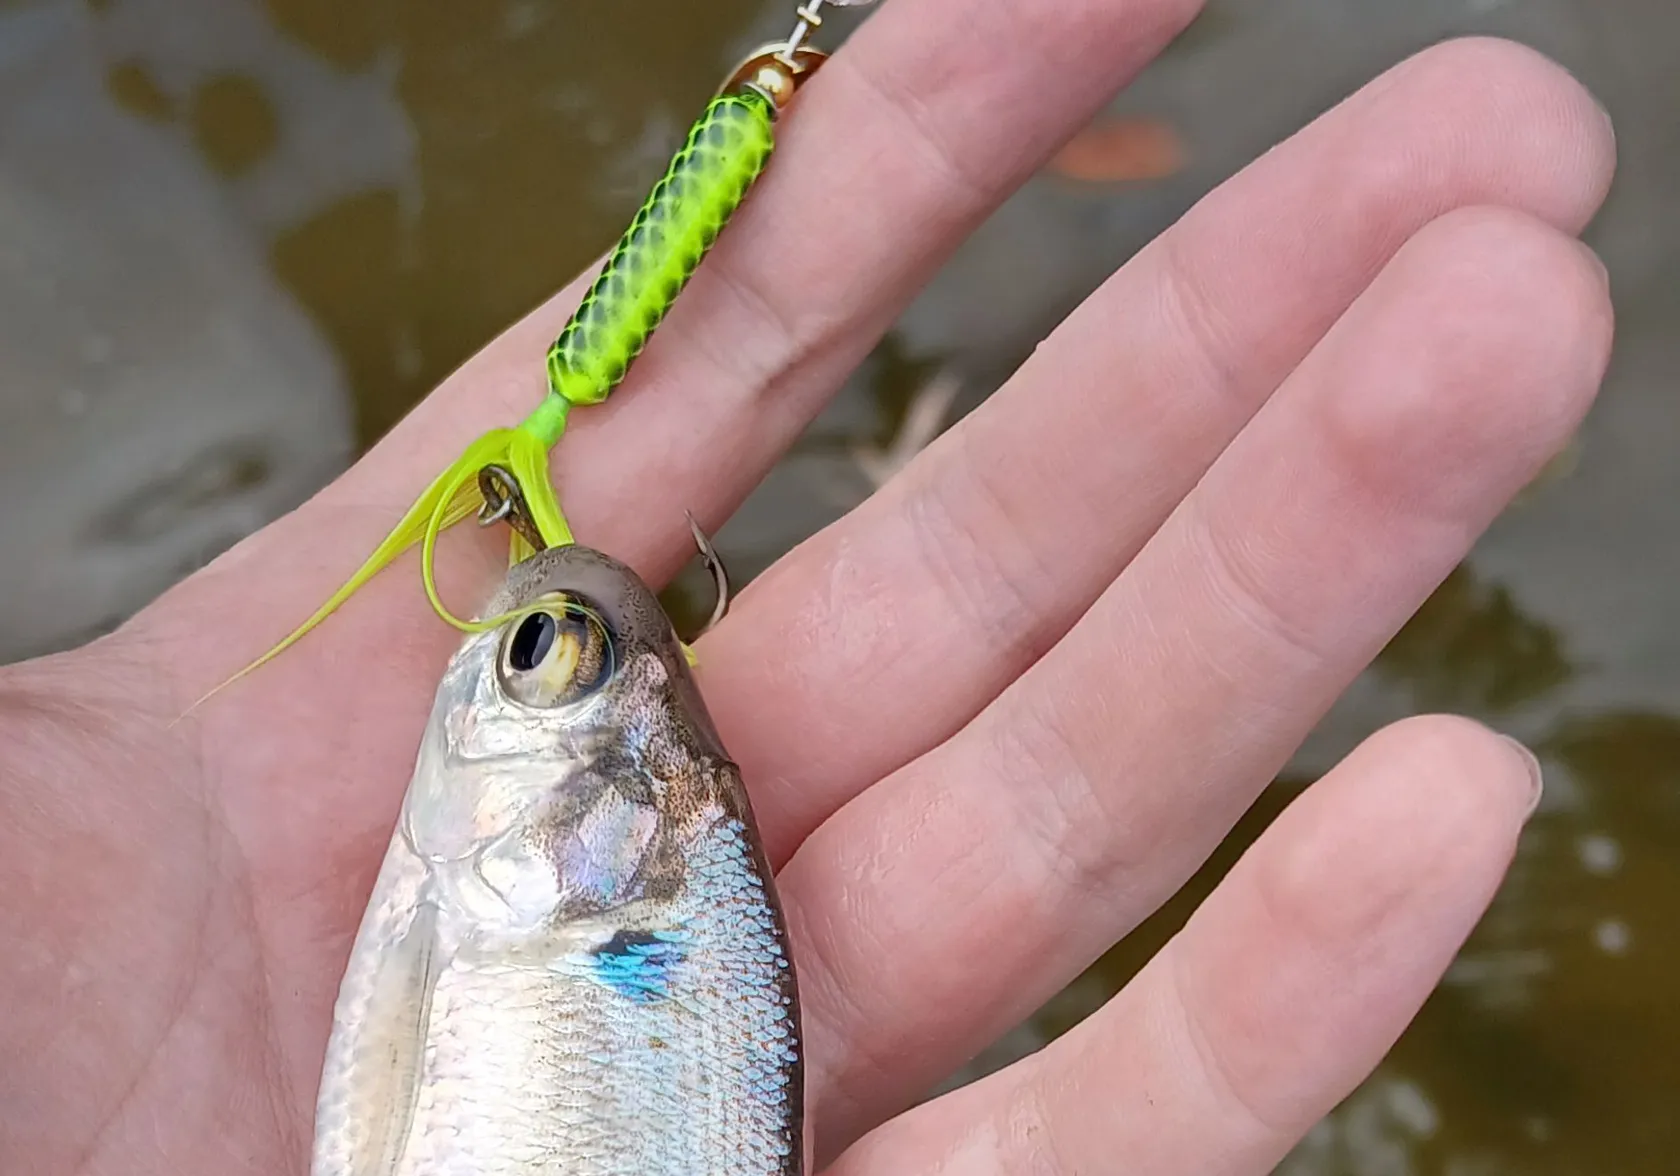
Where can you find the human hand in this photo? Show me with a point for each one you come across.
(989, 720)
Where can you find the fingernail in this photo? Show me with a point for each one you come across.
(1604, 113)
(1597, 263)
(1536, 778)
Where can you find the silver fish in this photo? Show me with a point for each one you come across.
(574, 960)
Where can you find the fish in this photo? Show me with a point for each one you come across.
(574, 959)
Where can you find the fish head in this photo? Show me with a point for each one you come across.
(570, 757)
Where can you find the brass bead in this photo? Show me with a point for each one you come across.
(773, 73)
(775, 81)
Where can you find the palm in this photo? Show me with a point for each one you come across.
(989, 720)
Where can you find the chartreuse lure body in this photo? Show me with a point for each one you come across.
(706, 182)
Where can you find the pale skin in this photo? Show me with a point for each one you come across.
(990, 719)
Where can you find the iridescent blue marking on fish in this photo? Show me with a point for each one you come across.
(638, 964)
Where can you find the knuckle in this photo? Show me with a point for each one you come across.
(843, 1090)
(904, 101)
(1230, 1085)
(982, 562)
(1194, 310)
(1063, 817)
(1243, 571)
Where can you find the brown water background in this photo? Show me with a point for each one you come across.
(270, 227)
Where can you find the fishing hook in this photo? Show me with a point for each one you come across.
(720, 575)
(504, 503)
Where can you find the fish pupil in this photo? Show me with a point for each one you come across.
(532, 642)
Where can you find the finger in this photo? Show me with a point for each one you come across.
(931, 115)
(1282, 993)
(945, 586)
(1100, 780)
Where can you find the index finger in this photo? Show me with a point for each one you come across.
(932, 114)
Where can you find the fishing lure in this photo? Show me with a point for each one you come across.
(574, 961)
(503, 476)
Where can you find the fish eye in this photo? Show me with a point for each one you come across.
(559, 654)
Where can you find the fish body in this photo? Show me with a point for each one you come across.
(573, 962)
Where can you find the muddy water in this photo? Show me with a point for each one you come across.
(388, 184)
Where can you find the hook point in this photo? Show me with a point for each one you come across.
(714, 565)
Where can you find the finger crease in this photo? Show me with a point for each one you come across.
(972, 549)
(1192, 308)
(822, 987)
(970, 190)
(785, 340)
(1237, 586)
(1216, 1069)
(1079, 864)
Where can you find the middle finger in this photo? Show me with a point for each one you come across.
(944, 587)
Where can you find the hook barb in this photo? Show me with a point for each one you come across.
(720, 574)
